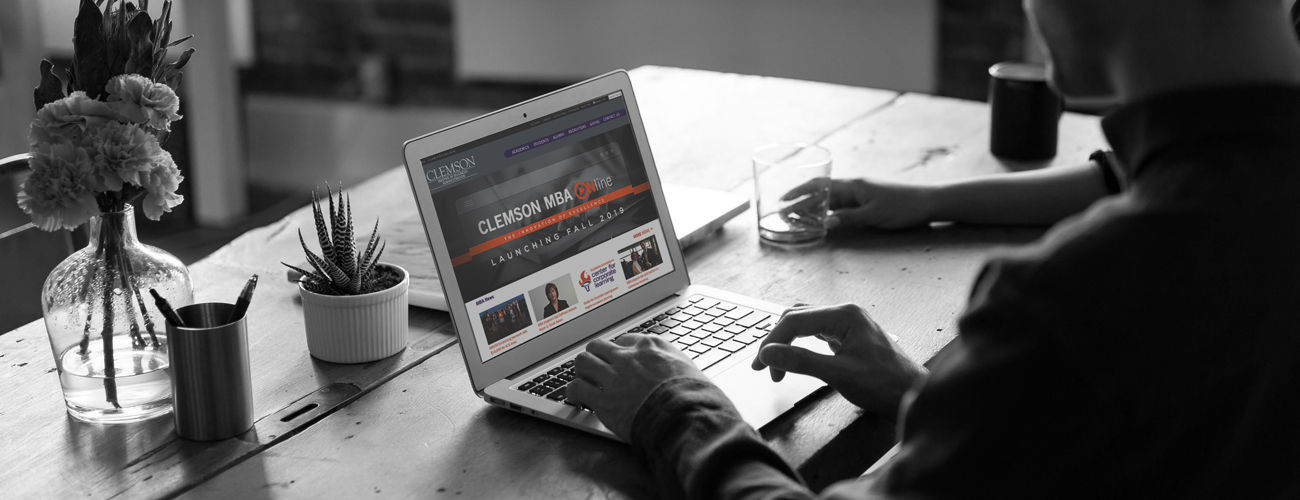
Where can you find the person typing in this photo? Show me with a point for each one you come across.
(1146, 348)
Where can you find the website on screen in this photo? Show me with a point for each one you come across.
(547, 221)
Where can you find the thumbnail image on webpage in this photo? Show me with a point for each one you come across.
(640, 257)
(505, 319)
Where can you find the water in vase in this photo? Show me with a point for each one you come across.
(140, 386)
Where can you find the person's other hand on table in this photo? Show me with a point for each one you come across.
(865, 202)
(1033, 197)
(615, 378)
(867, 368)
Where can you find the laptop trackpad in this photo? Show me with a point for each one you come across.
(758, 398)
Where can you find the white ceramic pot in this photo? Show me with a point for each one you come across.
(357, 328)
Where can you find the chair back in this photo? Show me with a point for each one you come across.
(27, 255)
(12, 166)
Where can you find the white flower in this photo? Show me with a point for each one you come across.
(139, 100)
(60, 192)
(67, 119)
(160, 183)
(122, 152)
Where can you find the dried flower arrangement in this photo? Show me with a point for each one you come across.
(96, 149)
(96, 141)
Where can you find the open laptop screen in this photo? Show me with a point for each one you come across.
(547, 221)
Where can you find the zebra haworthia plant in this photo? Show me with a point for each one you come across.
(339, 269)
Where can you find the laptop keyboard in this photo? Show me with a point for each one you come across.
(705, 329)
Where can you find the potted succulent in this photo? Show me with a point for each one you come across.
(354, 307)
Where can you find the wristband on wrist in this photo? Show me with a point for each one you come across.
(1109, 170)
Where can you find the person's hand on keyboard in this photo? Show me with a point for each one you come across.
(614, 378)
(868, 368)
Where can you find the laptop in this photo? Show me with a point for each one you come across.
(549, 228)
(697, 213)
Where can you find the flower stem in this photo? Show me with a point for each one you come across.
(134, 291)
(90, 309)
(137, 340)
(109, 240)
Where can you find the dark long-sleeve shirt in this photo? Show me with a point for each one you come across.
(1147, 348)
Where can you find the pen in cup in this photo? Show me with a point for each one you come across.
(166, 309)
(245, 296)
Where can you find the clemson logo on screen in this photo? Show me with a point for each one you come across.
(585, 281)
(582, 190)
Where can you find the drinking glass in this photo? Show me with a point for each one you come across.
(792, 186)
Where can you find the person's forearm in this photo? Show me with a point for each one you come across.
(747, 479)
(1030, 198)
(690, 436)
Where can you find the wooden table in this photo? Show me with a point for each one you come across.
(410, 425)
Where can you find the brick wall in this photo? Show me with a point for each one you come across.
(973, 35)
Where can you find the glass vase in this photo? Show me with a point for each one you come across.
(108, 338)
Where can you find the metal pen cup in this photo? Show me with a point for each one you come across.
(212, 389)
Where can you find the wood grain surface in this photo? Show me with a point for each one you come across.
(48, 454)
(416, 429)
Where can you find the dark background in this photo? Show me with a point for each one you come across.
(316, 48)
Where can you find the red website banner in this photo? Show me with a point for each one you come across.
(488, 245)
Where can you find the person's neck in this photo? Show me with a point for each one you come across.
(1215, 57)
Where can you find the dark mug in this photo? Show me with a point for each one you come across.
(1025, 112)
